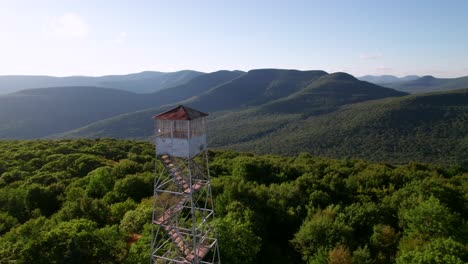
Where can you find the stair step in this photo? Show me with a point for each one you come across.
(201, 252)
(180, 244)
(197, 186)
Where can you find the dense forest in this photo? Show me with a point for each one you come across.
(88, 201)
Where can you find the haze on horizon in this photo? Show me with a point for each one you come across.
(62, 38)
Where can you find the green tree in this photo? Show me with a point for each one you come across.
(134, 220)
(118, 210)
(3, 167)
(429, 217)
(436, 251)
(76, 241)
(238, 242)
(362, 255)
(126, 167)
(136, 187)
(85, 164)
(384, 242)
(339, 255)
(321, 230)
(44, 198)
(100, 182)
(6, 222)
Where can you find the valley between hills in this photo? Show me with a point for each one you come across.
(266, 111)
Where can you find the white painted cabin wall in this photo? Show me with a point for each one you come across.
(197, 144)
(179, 147)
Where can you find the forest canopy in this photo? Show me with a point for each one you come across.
(89, 201)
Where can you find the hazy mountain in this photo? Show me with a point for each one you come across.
(254, 88)
(430, 84)
(318, 94)
(327, 93)
(409, 78)
(143, 82)
(195, 87)
(154, 83)
(384, 79)
(38, 113)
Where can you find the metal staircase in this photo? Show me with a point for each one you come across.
(169, 221)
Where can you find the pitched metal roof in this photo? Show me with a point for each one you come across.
(180, 112)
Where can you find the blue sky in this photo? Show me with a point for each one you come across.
(114, 37)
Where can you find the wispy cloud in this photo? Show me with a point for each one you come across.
(68, 25)
(369, 56)
(121, 37)
(384, 69)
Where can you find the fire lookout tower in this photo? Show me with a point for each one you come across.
(183, 215)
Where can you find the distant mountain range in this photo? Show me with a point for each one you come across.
(38, 113)
(384, 79)
(416, 84)
(151, 81)
(430, 84)
(321, 93)
(264, 110)
(143, 82)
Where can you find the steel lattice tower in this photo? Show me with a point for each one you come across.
(183, 215)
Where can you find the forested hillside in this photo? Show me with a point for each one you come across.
(327, 94)
(428, 127)
(274, 91)
(326, 120)
(88, 201)
(254, 88)
(37, 113)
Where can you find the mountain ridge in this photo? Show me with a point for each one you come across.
(14, 83)
(427, 127)
(430, 83)
(36, 113)
(384, 79)
(253, 88)
(202, 102)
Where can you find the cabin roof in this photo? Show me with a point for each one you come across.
(180, 112)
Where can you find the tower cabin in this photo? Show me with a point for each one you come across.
(180, 132)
